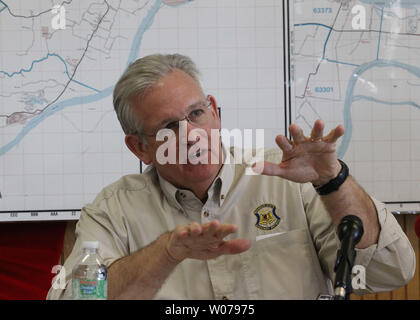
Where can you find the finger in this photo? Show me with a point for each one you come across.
(211, 227)
(297, 133)
(336, 133)
(224, 230)
(194, 229)
(180, 232)
(284, 143)
(258, 167)
(317, 130)
(271, 169)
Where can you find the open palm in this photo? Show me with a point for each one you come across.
(307, 159)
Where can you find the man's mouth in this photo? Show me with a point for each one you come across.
(199, 155)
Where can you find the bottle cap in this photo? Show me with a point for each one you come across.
(90, 244)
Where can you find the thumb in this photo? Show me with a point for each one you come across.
(268, 168)
(234, 246)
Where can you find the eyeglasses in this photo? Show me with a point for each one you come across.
(199, 115)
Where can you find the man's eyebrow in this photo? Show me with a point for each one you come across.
(172, 119)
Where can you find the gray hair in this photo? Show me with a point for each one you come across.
(141, 76)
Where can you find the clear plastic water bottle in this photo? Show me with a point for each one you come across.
(90, 275)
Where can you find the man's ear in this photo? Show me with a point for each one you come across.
(138, 147)
(215, 108)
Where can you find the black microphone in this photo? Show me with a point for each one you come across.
(350, 231)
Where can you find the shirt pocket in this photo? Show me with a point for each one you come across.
(288, 266)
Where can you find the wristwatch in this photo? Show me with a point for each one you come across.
(335, 183)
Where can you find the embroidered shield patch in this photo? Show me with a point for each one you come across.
(267, 218)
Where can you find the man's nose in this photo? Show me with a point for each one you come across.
(185, 129)
(187, 126)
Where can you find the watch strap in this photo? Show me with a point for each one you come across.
(334, 184)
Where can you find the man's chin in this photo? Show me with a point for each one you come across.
(200, 171)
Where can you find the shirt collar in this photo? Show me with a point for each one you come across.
(226, 175)
(169, 191)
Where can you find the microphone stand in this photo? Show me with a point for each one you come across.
(350, 231)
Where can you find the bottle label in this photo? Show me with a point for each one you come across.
(89, 289)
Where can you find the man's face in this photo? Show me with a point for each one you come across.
(169, 100)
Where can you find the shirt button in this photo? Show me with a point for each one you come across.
(222, 196)
(206, 213)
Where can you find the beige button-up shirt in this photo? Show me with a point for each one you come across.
(294, 243)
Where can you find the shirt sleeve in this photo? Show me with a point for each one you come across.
(95, 224)
(388, 264)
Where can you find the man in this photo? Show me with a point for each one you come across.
(212, 231)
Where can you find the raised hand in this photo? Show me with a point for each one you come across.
(307, 159)
(204, 241)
